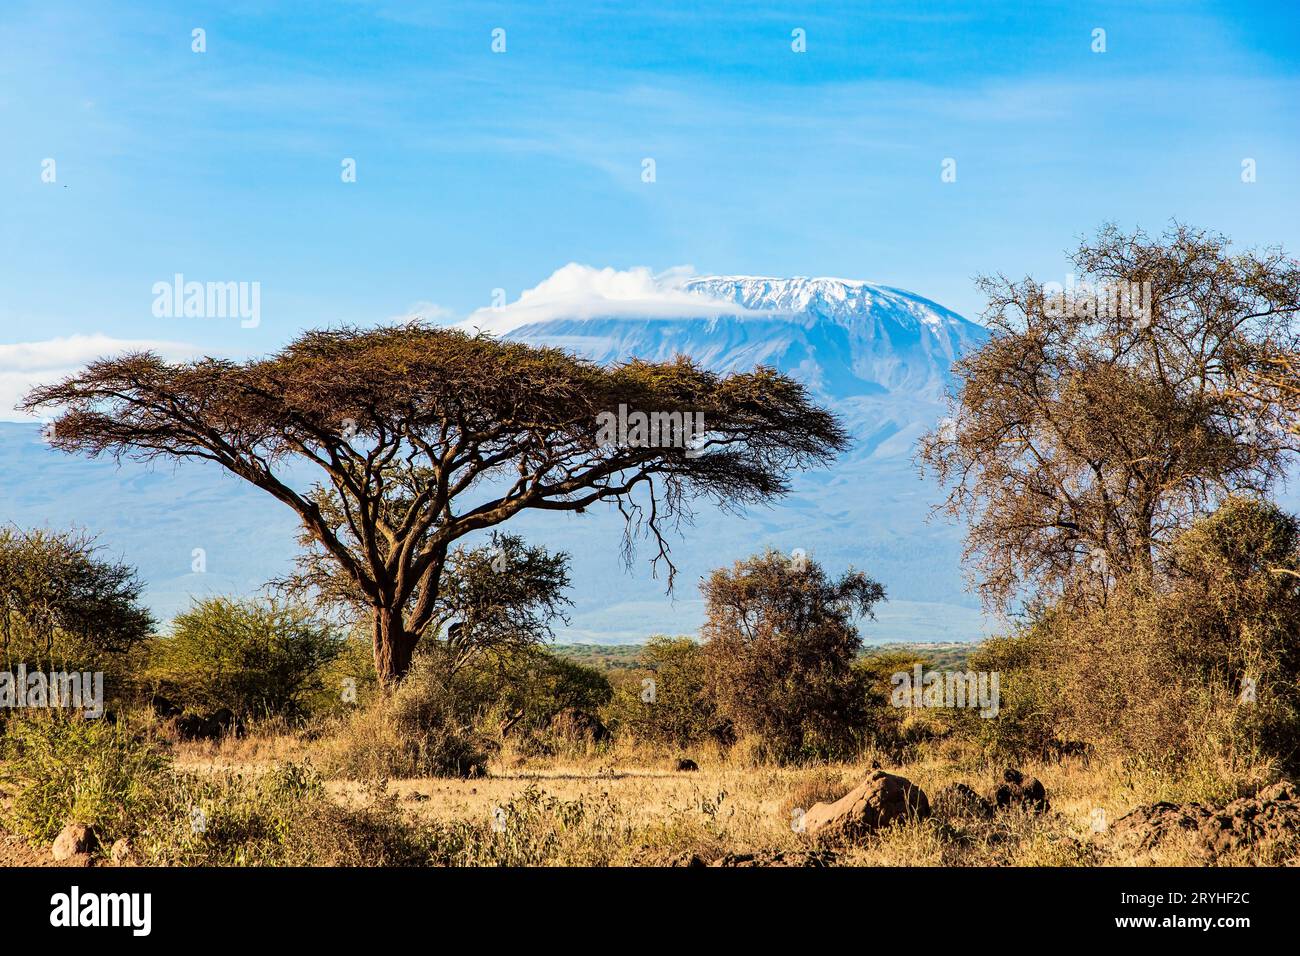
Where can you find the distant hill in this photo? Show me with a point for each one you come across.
(878, 356)
(612, 657)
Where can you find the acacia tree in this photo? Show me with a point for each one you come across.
(1092, 427)
(58, 596)
(780, 643)
(425, 435)
(500, 596)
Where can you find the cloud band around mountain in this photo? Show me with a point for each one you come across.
(578, 291)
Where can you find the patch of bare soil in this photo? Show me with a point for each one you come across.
(15, 851)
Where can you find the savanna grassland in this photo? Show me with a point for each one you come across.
(277, 794)
(1112, 451)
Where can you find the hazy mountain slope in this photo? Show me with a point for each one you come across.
(878, 356)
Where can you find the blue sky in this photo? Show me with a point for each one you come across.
(479, 171)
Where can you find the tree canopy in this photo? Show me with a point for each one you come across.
(1094, 425)
(60, 600)
(780, 642)
(424, 435)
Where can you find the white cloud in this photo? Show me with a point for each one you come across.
(578, 291)
(24, 365)
(422, 312)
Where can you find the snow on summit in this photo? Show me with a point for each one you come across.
(820, 296)
(844, 337)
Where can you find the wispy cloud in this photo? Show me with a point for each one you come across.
(24, 365)
(421, 312)
(578, 291)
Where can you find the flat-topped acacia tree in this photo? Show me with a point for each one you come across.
(424, 435)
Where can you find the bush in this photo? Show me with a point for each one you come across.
(63, 606)
(66, 768)
(346, 682)
(884, 723)
(1028, 713)
(258, 659)
(420, 730)
(666, 700)
(780, 644)
(525, 688)
(1199, 666)
(124, 786)
(281, 818)
(535, 828)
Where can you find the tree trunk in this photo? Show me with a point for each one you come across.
(394, 647)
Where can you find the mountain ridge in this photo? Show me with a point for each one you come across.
(877, 356)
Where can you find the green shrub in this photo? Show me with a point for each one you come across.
(535, 828)
(346, 682)
(665, 701)
(70, 769)
(65, 768)
(280, 818)
(62, 606)
(524, 688)
(259, 659)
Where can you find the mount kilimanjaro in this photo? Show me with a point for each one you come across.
(876, 355)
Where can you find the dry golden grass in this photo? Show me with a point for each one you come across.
(636, 810)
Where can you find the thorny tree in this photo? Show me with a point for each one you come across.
(426, 435)
(1079, 442)
(501, 596)
(59, 598)
(780, 643)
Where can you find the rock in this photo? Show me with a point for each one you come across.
(1270, 817)
(1151, 825)
(415, 796)
(879, 801)
(74, 839)
(79, 860)
(685, 764)
(1018, 790)
(1282, 790)
(122, 853)
(690, 860)
(959, 801)
(796, 858)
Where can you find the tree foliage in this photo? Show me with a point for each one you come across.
(60, 601)
(257, 659)
(668, 699)
(425, 435)
(1083, 437)
(1200, 661)
(781, 641)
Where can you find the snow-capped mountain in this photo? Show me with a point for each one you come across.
(876, 355)
(845, 338)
